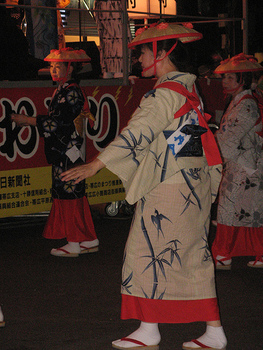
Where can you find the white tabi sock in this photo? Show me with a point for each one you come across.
(225, 262)
(214, 337)
(72, 247)
(147, 333)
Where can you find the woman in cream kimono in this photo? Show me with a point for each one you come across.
(170, 165)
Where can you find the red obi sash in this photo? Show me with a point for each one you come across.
(193, 102)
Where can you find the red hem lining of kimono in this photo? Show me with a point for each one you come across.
(70, 219)
(238, 241)
(169, 311)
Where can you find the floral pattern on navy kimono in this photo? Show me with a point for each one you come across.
(64, 146)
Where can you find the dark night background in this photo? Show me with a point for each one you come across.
(232, 30)
(225, 39)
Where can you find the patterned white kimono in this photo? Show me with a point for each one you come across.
(167, 258)
(240, 147)
(240, 204)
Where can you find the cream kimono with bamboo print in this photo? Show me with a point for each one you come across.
(167, 254)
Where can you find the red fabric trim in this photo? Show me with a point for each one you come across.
(183, 110)
(169, 311)
(67, 60)
(192, 100)
(246, 96)
(237, 71)
(200, 344)
(238, 241)
(133, 341)
(64, 250)
(70, 219)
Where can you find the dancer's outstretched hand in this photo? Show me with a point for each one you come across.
(82, 172)
(23, 120)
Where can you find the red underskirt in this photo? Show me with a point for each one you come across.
(70, 219)
(238, 241)
(169, 311)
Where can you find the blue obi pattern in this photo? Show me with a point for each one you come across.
(186, 140)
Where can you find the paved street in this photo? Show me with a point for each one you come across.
(54, 303)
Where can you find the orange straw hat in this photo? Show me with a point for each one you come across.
(238, 63)
(164, 30)
(67, 55)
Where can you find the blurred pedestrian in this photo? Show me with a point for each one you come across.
(240, 203)
(168, 271)
(64, 137)
(2, 322)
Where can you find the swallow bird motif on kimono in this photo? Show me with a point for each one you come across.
(156, 220)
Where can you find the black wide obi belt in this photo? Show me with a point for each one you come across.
(187, 142)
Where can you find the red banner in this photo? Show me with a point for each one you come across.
(25, 177)
(112, 107)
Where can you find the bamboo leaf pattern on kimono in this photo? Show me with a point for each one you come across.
(134, 145)
(149, 140)
(173, 251)
(156, 159)
(207, 253)
(165, 164)
(146, 296)
(129, 147)
(194, 173)
(160, 259)
(126, 282)
(188, 201)
(161, 295)
(151, 256)
(188, 182)
(143, 200)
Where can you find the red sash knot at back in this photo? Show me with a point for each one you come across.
(193, 102)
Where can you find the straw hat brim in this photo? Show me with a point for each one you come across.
(67, 55)
(167, 31)
(237, 66)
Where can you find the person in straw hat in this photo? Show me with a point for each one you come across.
(64, 134)
(240, 204)
(170, 166)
